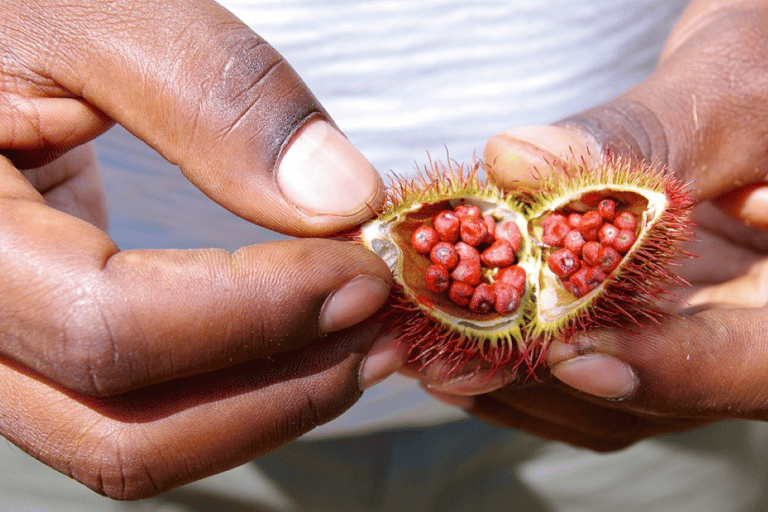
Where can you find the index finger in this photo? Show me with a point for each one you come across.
(197, 85)
(521, 156)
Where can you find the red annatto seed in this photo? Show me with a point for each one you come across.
(609, 259)
(444, 253)
(468, 211)
(553, 218)
(437, 279)
(483, 299)
(574, 241)
(624, 241)
(574, 220)
(510, 232)
(625, 220)
(447, 225)
(424, 238)
(573, 290)
(607, 209)
(589, 253)
(595, 277)
(468, 271)
(563, 263)
(490, 223)
(578, 283)
(499, 254)
(590, 221)
(513, 275)
(473, 231)
(585, 280)
(467, 252)
(507, 298)
(591, 235)
(460, 293)
(608, 234)
(554, 234)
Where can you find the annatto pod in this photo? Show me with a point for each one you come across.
(491, 276)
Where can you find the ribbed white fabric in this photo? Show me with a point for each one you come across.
(403, 77)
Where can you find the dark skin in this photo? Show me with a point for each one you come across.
(702, 113)
(122, 369)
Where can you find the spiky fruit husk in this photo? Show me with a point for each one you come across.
(437, 329)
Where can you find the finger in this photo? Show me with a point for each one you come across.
(129, 446)
(553, 414)
(197, 85)
(37, 130)
(521, 156)
(385, 357)
(700, 113)
(707, 365)
(747, 291)
(747, 204)
(710, 217)
(472, 378)
(725, 249)
(731, 262)
(101, 321)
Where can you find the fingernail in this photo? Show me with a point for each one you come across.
(512, 154)
(358, 299)
(598, 375)
(557, 351)
(384, 358)
(473, 384)
(549, 142)
(323, 174)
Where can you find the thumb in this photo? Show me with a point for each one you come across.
(201, 88)
(707, 365)
(701, 113)
(520, 156)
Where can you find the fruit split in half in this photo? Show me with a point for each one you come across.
(492, 276)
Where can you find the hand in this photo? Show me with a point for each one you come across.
(137, 371)
(702, 113)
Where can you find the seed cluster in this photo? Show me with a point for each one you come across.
(472, 259)
(591, 244)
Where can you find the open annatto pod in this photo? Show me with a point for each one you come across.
(491, 276)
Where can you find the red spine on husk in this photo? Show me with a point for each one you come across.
(556, 218)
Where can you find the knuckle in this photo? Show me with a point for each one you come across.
(238, 80)
(244, 82)
(624, 128)
(297, 415)
(308, 415)
(89, 354)
(117, 466)
(316, 404)
(89, 358)
(237, 61)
